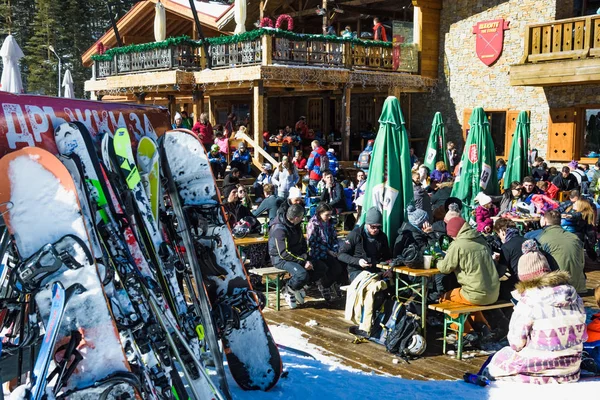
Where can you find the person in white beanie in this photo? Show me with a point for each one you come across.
(484, 213)
(178, 121)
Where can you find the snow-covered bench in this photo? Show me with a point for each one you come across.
(450, 309)
(273, 278)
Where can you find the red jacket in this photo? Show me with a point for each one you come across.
(552, 191)
(315, 163)
(303, 128)
(300, 164)
(205, 133)
(379, 32)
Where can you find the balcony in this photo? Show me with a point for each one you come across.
(260, 47)
(563, 52)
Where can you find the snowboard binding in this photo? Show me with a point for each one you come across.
(229, 312)
(29, 275)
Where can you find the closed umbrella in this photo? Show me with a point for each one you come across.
(11, 76)
(67, 84)
(517, 166)
(240, 16)
(478, 163)
(436, 147)
(389, 184)
(160, 22)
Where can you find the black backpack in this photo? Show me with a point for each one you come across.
(396, 326)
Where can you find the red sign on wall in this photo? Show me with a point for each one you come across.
(490, 39)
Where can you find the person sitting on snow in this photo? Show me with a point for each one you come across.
(547, 328)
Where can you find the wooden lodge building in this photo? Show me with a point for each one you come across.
(274, 77)
(504, 55)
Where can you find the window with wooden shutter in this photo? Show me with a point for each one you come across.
(315, 114)
(561, 134)
(500, 128)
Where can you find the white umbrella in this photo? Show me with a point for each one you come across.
(11, 76)
(67, 83)
(160, 22)
(240, 16)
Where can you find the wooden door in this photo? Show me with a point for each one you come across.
(561, 134)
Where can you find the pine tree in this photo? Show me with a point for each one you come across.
(41, 63)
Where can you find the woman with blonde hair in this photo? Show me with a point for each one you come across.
(440, 173)
(285, 177)
(578, 218)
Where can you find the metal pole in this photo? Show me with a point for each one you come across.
(59, 74)
(200, 34)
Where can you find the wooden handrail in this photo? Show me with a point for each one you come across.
(259, 149)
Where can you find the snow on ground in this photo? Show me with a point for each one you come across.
(327, 378)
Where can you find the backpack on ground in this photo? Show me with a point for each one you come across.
(399, 330)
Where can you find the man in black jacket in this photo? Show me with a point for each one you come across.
(231, 181)
(289, 251)
(566, 180)
(333, 193)
(510, 254)
(365, 246)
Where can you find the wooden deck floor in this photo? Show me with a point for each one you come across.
(331, 334)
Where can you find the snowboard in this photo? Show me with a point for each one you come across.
(135, 286)
(45, 209)
(251, 352)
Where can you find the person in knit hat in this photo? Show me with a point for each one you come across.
(414, 234)
(365, 246)
(484, 213)
(470, 259)
(547, 328)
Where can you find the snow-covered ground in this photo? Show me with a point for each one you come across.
(326, 378)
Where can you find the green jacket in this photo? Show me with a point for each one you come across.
(565, 252)
(470, 258)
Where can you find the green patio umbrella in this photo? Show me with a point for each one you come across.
(517, 166)
(436, 147)
(389, 182)
(478, 163)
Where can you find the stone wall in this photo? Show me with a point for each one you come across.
(466, 82)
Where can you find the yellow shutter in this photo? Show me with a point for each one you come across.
(561, 134)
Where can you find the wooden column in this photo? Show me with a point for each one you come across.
(325, 17)
(198, 103)
(258, 115)
(428, 35)
(346, 98)
(261, 10)
(395, 91)
(172, 106)
(211, 110)
(266, 42)
(141, 97)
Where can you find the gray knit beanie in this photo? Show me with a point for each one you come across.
(373, 217)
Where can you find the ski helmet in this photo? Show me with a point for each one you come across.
(417, 345)
(241, 229)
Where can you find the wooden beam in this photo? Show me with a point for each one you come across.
(359, 2)
(198, 104)
(346, 116)
(257, 148)
(302, 13)
(258, 105)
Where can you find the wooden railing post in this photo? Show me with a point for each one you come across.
(588, 36)
(266, 42)
(526, 45)
(203, 57)
(347, 55)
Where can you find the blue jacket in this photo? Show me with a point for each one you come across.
(333, 163)
(216, 158)
(244, 158)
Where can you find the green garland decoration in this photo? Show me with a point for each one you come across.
(242, 37)
(135, 48)
(284, 34)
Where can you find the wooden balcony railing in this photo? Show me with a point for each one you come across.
(573, 38)
(172, 57)
(257, 49)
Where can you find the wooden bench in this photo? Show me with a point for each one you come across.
(450, 308)
(273, 278)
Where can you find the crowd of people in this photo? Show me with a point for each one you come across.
(538, 265)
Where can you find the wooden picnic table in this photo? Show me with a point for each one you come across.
(255, 238)
(424, 274)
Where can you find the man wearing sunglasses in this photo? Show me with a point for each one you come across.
(365, 246)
